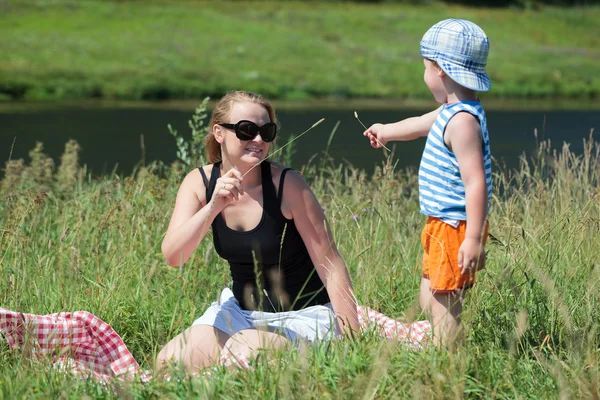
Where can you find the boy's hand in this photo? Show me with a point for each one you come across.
(471, 256)
(376, 136)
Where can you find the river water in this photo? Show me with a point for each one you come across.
(110, 135)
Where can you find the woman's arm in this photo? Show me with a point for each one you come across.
(193, 215)
(314, 230)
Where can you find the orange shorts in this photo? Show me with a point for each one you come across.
(441, 242)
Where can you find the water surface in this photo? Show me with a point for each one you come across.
(110, 136)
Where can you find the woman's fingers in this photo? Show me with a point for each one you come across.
(234, 176)
(234, 173)
(229, 187)
(233, 182)
(229, 190)
(227, 195)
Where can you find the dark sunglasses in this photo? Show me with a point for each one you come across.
(247, 130)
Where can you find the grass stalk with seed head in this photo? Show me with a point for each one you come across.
(282, 147)
(531, 321)
(204, 228)
(377, 140)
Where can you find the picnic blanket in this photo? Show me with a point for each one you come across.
(82, 344)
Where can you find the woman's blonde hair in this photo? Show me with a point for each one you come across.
(220, 115)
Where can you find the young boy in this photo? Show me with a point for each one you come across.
(455, 172)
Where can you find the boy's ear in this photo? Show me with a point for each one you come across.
(218, 133)
(440, 72)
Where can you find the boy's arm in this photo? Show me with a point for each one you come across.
(407, 129)
(463, 137)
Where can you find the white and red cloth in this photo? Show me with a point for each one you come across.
(77, 341)
(83, 344)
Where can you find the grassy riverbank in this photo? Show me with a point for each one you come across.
(66, 49)
(69, 243)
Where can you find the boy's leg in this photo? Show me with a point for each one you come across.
(425, 297)
(446, 309)
(441, 244)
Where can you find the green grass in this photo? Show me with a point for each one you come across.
(531, 321)
(67, 49)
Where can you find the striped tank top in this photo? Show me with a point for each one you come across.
(441, 190)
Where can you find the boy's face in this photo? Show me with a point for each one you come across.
(433, 79)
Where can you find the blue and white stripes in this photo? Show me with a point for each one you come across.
(441, 190)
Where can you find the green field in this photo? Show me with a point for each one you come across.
(532, 321)
(185, 49)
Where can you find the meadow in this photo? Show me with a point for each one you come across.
(70, 241)
(188, 49)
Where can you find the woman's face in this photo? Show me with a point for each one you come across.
(246, 151)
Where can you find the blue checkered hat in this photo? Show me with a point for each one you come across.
(460, 48)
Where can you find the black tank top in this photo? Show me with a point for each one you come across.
(270, 265)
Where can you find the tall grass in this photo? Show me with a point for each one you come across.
(531, 321)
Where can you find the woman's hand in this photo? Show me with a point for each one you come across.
(228, 189)
(193, 213)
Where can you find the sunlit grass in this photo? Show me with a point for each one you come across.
(532, 320)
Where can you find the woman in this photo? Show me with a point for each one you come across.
(290, 283)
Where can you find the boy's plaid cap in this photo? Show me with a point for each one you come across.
(460, 48)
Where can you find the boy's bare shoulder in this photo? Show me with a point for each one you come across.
(464, 120)
(463, 128)
(464, 123)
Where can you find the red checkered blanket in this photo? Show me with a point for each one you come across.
(83, 344)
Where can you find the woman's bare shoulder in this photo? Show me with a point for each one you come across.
(195, 175)
(293, 180)
(276, 171)
(193, 182)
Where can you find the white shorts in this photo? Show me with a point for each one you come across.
(313, 324)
